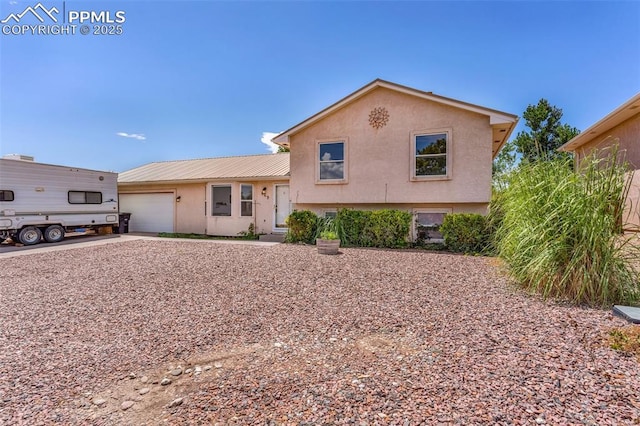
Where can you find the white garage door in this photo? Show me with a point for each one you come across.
(149, 212)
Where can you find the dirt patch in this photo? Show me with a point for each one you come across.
(145, 397)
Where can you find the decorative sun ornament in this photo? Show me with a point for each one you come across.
(378, 117)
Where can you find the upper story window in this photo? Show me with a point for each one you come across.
(431, 153)
(6, 195)
(246, 200)
(221, 200)
(84, 197)
(331, 157)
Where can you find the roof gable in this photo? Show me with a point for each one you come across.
(502, 123)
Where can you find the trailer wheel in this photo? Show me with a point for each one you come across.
(29, 235)
(54, 234)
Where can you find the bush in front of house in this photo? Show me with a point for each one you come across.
(465, 233)
(350, 225)
(386, 228)
(302, 226)
(561, 233)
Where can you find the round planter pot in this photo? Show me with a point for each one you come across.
(327, 246)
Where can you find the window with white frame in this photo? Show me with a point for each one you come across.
(427, 225)
(430, 152)
(331, 161)
(221, 200)
(246, 200)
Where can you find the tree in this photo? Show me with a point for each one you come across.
(282, 149)
(547, 133)
(505, 160)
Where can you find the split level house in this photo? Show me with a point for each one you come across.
(621, 127)
(383, 146)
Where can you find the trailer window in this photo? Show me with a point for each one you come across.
(85, 197)
(6, 195)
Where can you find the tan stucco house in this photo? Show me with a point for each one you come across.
(391, 146)
(621, 127)
(383, 146)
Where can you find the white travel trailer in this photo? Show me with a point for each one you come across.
(44, 201)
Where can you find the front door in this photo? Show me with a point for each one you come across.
(282, 206)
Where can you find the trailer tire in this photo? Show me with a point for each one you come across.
(29, 235)
(54, 234)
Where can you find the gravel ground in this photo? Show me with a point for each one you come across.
(282, 335)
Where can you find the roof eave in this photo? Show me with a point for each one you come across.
(506, 136)
(624, 112)
(280, 139)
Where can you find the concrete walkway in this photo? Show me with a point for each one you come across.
(114, 239)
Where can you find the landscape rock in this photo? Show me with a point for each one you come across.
(176, 402)
(99, 401)
(423, 338)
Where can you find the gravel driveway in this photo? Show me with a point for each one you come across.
(282, 335)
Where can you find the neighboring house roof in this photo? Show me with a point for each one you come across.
(617, 116)
(502, 123)
(268, 166)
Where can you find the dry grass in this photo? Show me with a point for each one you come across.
(626, 339)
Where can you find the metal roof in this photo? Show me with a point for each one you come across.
(244, 167)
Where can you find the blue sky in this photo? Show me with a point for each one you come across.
(204, 79)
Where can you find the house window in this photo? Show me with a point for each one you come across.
(331, 161)
(6, 195)
(221, 200)
(246, 200)
(430, 151)
(330, 214)
(84, 197)
(428, 225)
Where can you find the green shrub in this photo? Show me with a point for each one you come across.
(378, 228)
(465, 233)
(302, 226)
(561, 231)
(328, 235)
(250, 233)
(325, 225)
(350, 225)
